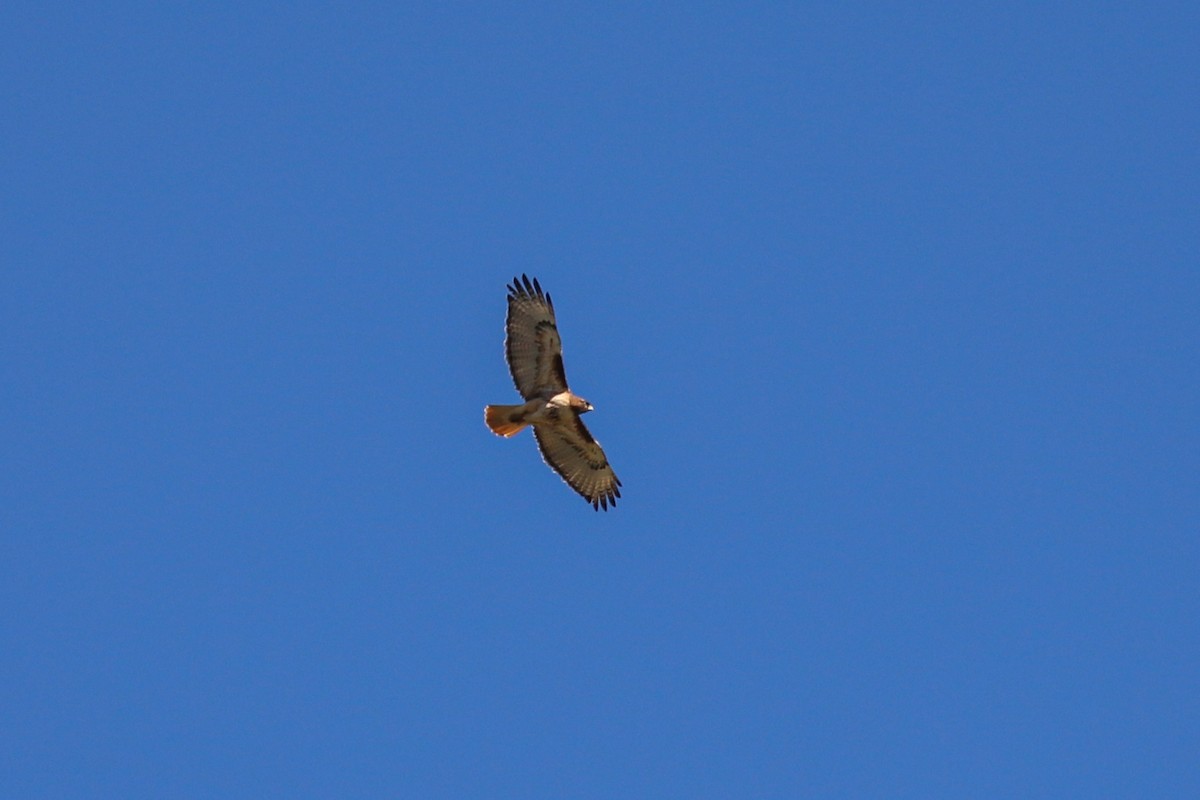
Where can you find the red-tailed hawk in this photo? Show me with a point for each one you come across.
(534, 354)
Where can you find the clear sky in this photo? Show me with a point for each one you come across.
(890, 319)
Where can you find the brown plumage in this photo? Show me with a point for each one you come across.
(534, 352)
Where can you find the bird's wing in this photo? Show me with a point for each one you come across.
(570, 450)
(532, 346)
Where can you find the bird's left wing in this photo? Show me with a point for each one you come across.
(569, 449)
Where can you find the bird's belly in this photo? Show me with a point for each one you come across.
(544, 413)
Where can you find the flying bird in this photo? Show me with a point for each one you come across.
(534, 354)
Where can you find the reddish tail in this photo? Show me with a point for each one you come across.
(504, 420)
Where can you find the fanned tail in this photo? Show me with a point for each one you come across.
(504, 420)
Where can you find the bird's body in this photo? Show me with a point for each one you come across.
(510, 420)
(534, 352)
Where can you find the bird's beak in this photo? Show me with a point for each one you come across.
(591, 407)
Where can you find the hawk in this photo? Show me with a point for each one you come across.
(534, 354)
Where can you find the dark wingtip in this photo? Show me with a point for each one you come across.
(524, 287)
(604, 502)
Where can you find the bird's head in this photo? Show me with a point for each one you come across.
(581, 405)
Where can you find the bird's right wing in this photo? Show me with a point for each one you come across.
(532, 346)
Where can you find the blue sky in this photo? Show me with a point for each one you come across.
(889, 316)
